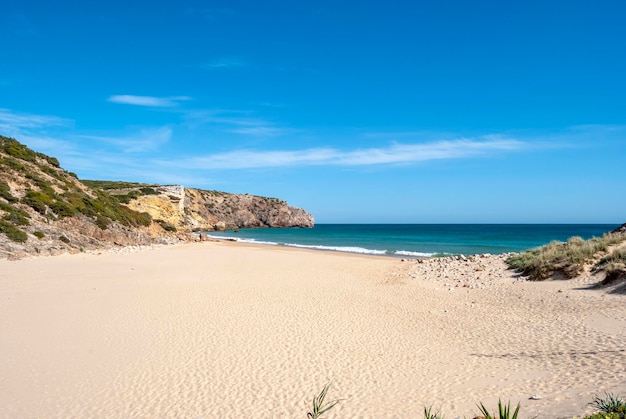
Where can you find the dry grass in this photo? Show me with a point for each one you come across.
(562, 259)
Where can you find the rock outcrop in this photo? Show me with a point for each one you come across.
(189, 209)
(620, 229)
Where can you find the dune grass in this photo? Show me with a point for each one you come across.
(562, 259)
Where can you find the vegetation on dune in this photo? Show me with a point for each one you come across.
(56, 194)
(558, 258)
(614, 264)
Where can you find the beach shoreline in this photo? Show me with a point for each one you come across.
(226, 329)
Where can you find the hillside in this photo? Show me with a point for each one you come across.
(47, 210)
(177, 208)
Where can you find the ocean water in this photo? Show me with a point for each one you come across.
(418, 239)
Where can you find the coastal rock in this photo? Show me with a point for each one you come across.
(189, 209)
(620, 229)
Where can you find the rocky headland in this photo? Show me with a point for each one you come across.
(46, 210)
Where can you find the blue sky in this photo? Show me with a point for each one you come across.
(369, 111)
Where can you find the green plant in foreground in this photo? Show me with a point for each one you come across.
(319, 408)
(504, 412)
(428, 413)
(609, 404)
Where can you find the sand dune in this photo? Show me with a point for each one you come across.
(226, 330)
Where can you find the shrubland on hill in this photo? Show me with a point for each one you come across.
(47, 210)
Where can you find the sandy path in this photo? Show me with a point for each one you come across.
(224, 330)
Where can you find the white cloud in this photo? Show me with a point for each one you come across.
(394, 154)
(261, 131)
(16, 122)
(147, 139)
(150, 101)
(237, 122)
(224, 63)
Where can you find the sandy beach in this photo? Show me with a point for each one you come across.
(229, 330)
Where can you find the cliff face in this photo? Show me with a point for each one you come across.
(189, 209)
(47, 210)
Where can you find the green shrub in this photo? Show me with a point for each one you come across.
(167, 226)
(5, 192)
(111, 184)
(39, 235)
(52, 160)
(148, 191)
(13, 163)
(37, 201)
(62, 209)
(606, 416)
(16, 219)
(12, 232)
(14, 148)
(125, 199)
(14, 215)
(103, 222)
(64, 239)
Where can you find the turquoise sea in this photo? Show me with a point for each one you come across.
(418, 239)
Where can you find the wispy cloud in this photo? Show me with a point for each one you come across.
(394, 154)
(16, 122)
(149, 101)
(238, 122)
(40, 132)
(147, 139)
(224, 63)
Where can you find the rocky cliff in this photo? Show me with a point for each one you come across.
(188, 209)
(47, 210)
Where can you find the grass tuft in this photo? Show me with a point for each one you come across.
(429, 414)
(504, 411)
(609, 404)
(319, 408)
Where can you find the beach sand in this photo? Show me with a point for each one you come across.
(229, 330)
